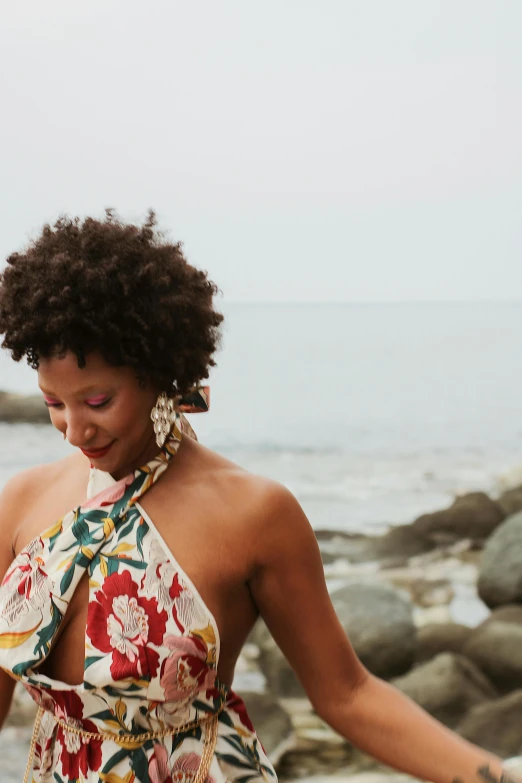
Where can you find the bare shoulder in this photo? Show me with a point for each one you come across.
(261, 509)
(260, 498)
(25, 490)
(30, 482)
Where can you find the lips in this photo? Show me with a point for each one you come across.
(97, 453)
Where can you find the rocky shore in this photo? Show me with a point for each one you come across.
(17, 408)
(435, 607)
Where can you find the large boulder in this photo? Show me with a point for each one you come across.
(447, 687)
(16, 408)
(500, 576)
(439, 638)
(496, 726)
(473, 516)
(496, 648)
(510, 613)
(378, 622)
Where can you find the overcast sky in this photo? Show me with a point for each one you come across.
(301, 149)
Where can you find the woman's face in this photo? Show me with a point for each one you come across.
(100, 407)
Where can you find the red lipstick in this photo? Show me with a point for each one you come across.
(97, 453)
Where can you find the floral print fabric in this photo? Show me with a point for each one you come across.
(151, 647)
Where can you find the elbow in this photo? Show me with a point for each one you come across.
(338, 706)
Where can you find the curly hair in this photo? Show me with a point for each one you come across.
(119, 289)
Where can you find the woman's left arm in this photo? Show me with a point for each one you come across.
(289, 589)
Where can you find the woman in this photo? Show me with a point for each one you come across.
(124, 616)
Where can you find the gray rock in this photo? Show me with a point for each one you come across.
(500, 576)
(272, 723)
(473, 516)
(496, 726)
(15, 408)
(378, 622)
(447, 687)
(439, 638)
(497, 649)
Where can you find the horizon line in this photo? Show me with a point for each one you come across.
(370, 301)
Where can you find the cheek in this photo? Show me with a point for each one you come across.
(131, 417)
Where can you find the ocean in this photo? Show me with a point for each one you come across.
(371, 414)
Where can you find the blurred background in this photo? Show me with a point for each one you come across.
(350, 175)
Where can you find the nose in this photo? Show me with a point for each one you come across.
(79, 431)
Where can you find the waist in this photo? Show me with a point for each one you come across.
(131, 740)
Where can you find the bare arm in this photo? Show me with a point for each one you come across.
(11, 499)
(289, 589)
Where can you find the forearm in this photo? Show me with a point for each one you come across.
(387, 725)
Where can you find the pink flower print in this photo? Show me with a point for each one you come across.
(161, 580)
(110, 495)
(185, 672)
(184, 769)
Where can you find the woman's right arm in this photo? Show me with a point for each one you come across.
(11, 499)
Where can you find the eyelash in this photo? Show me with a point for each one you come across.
(59, 404)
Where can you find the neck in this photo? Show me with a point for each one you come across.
(149, 451)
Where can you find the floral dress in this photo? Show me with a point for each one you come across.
(151, 650)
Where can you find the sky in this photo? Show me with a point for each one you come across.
(302, 150)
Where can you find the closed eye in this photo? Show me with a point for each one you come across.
(60, 404)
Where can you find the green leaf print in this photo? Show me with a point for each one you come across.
(90, 659)
(47, 634)
(120, 755)
(140, 765)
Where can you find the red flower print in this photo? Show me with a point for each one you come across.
(184, 770)
(76, 753)
(125, 624)
(237, 705)
(185, 671)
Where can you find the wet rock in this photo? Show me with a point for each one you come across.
(15, 408)
(472, 516)
(272, 723)
(497, 649)
(496, 726)
(500, 575)
(440, 638)
(447, 687)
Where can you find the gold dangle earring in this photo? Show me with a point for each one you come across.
(163, 416)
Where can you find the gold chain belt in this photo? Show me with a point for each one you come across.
(131, 741)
